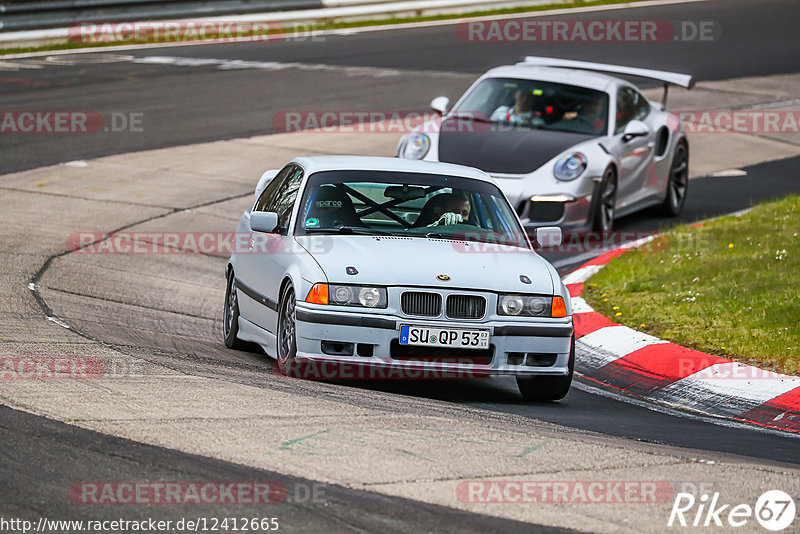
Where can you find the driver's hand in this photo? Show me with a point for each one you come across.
(448, 219)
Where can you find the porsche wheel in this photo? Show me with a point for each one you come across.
(287, 334)
(230, 316)
(678, 183)
(606, 205)
(548, 388)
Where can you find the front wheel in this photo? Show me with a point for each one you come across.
(678, 182)
(606, 204)
(230, 316)
(287, 334)
(548, 388)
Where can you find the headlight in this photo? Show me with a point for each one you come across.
(417, 146)
(366, 296)
(530, 306)
(570, 166)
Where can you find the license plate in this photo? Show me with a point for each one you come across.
(459, 338)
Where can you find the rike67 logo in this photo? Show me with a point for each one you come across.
(774, 510)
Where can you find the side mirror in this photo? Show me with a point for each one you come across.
(263, 221)
(548, 236)
(440, 104)
(265, 179)
(635, 129)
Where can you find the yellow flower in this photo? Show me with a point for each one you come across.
(642, 325)
(723, 348)
(615, 308)
(730, 245)
(606, 300)
(619, 313)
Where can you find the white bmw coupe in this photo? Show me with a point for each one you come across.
(397, 265)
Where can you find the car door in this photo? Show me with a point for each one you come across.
(635, 155)
(262, 266)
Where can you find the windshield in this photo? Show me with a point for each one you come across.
(535, 104)
(407, 204)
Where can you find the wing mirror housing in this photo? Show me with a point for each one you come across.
(549, 236)
(440, 104)
(265, 179)
(633, 129)
(263, 221)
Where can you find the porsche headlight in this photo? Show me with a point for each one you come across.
(365, 296)
(570, 166)
(417, 145)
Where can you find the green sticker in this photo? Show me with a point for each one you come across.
(312, 222)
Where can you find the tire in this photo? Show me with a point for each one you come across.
(548, 388)
(606, 205)
(287, 334)
(230, 316)
(678, 182)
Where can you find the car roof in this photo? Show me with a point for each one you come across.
(312, 164)
(579, 77)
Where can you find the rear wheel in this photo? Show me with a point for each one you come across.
(606, 205)
(230, 316)
(287, 333)
(678, 183)
(548, 388)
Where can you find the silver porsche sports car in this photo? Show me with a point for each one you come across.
(401, 265)
(569, 145)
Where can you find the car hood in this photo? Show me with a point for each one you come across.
(503, 149)
(417, 261)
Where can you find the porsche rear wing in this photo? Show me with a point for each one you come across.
(667, 78)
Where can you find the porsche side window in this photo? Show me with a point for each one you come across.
(267, 197)
(626, 108)
(642, 106)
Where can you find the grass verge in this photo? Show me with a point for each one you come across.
(728, 288)
(566, 4)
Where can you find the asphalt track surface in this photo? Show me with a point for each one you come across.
(187, 105)
(183, 105)
(43, 457)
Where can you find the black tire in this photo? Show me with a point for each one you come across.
(548, 388)
(606, 204)
(230, 316)
(678, 182)
(287, 334)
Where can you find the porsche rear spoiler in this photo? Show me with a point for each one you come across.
(667, 78)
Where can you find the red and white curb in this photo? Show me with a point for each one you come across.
(644, 366)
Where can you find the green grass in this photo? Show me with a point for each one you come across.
(566, 4)
(730, 287)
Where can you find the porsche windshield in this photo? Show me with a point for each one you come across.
(407, 204)
(535, 104)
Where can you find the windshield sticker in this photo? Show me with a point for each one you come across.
(311, 223)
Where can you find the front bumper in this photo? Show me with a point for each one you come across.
(571, 215)
(529, 348)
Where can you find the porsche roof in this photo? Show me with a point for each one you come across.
(373, 163)
(581, 78)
